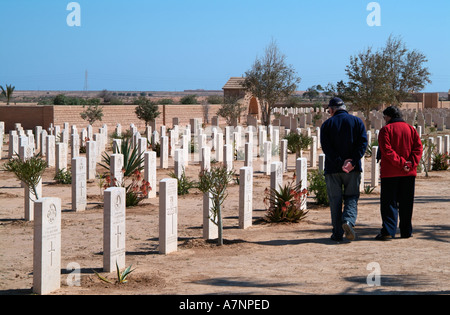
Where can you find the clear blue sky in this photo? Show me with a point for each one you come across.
(198, 44)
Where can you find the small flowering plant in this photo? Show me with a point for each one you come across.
(441, 162)
(286, 204)
(135, 192)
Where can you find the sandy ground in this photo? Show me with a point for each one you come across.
(269, 259)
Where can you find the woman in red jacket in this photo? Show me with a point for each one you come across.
(401, 151)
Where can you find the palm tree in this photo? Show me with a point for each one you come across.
(8, 92)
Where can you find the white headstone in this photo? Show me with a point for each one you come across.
(142, 147)
(210, 228)
(313, 152)
(114, 229)
(150, 172)
(30, 200)
(228, 156)
(13, 144)
(75, 145)
(179, 163)
(267, 154)
(245, 197)
(284, 154)
(47, 246)
(116, 166)
(168, 215)
(361, 185)
(205, 163)
(375, 171)
(301, 169)
(61, 156)
(164, 153)
(51, 155)
(79, 187)
(276, 175)
(185, 147)
(43, 137)
(219, 147)
(91, 157)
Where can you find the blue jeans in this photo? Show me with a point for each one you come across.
(343, 187)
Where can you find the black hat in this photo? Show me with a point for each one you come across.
(335, 102)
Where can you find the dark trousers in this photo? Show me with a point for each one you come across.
(397, 200)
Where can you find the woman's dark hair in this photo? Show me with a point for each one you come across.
(393, 112)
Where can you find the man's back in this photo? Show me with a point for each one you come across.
(343, 136)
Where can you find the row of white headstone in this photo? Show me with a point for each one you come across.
(47, 231)
(47, 240)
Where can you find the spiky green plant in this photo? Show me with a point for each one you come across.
(132, 159)
(184, 183)
(29, 171)
(368, 189)
(121, 276)
(285, 204)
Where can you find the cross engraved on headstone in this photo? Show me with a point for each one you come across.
(118, 233)
(51, 251)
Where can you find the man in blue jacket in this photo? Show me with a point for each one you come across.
(344, 142)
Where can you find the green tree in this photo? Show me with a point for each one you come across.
(28, 171)
(297, 143)
(8, 92)
(406, 70)
(189, 100)
(146, 110)
(271, 80)
(313, 92)
(231, 109)
(386, 76)
(92, 113)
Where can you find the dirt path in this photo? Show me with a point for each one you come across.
(263, 259)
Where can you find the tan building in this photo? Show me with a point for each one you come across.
(234, 88)
(429, 100)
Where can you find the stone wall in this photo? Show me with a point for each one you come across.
(42, 115)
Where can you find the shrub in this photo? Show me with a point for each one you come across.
(189, 99)
(441, 162)
(184, 183)
(215, 181)
(135, 192)
(285, 204)
(215, 99)
(92, 114)
(318, 186)
(29, 171)
(138, 189)
(63, 176)
(297, 142)
(165, 101)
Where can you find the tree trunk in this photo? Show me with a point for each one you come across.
(219, 226)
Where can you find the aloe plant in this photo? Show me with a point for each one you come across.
(121, 276)
(132, 159)
(285, 203)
